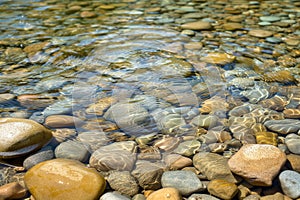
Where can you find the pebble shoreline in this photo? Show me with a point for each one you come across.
(149, 100)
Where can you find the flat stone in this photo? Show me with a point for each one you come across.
(188, 148)
(292, 141)
(176, 161)
(213, 166)
(270, 18)
(218, 58)
(165, 194)
(6, 97)
(283, 126)
(113, 196)
(260, 33)
(123, 182)
(64, 179)
(290, 183)
(258, 164)
(21, 136)
(74, 150)
(232, 26)
(198, 25)
(222, 189)
(148, 174)
(186, 182)
(63, 121)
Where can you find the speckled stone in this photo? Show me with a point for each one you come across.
(213, 166)
(257, 163)
(222, 189)
(165, 194)
(64, 179)
(123, 182)
(290, 183)
(186, 182)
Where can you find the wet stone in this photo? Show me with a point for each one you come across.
(293, 143)
(113, 196)
(165, 194)
(94, 140)
(74, 150)
(198, 25)
(123, 182)
(148, 174)
(290, 183)
(205, 121)
(258, 164)
(63, 121)
(186, 182)
(270, 18)
(283, 126)
(12, 191)
(202, 197)
(20, 130)
(111, 158)
(266, 138)
(292, 113)
(260, 33)
(44, 154)
(175, 161)
(232, 26)
(222, 189)
(188, 148)
(167, 143)
(218, 58)
(64, 179)
(213, 166)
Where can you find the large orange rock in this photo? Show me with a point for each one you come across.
(62, 179)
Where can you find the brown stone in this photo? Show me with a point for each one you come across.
(232, 26)
(165, 194)
(176, 161)
(12, 191)
(222, 189)
(87, 14)
(33, 48)
(198, 25)
(62, 121)
(218, 58)
(294, 161)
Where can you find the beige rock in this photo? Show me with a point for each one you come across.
(294, 161)
(21, 136)
(6, 97)
(63, 121)
(198, 25)
(12, 191)
(222, 189)
(62, 179)
(218, 58)
(176, 161)
(165, 194)
(260, 33)
(87, 14)
(33, 48)
(257, 163)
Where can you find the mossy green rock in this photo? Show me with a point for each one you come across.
(62, 179)
(19, 137)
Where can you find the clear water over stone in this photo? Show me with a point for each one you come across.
(187, 77)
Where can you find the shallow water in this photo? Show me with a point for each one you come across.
(131, 68)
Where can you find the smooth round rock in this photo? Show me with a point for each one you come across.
(232, 26)
(64, 179)
(294, 161)
(165, 194)
(123, 182)
(74, 150)
(260, 33)
(186, 182)
(113, 196)
(269, 18)
(222, 189)
(21, 136)
(258, 164)
(290, 183)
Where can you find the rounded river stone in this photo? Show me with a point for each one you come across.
(64, 179)
(21, 136)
